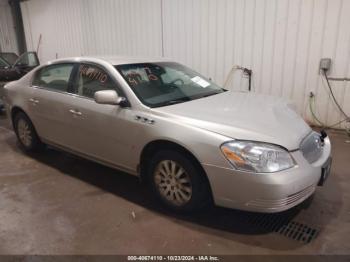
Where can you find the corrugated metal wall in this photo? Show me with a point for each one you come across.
(281, 40)
(8, 42)
(86, 27)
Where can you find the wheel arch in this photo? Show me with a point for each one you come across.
(162, 144)
(37, 144)
(14, 111)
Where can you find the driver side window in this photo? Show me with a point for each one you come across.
(91, 79)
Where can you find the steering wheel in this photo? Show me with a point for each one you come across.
(177, 80)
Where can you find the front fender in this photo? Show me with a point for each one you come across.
(203, 144)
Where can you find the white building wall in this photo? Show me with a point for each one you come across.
(281, 40)
(8, 42)
(87, 27)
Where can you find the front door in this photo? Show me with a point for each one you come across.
(103, 132)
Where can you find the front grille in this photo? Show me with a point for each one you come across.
(280, 203)
(312, 147)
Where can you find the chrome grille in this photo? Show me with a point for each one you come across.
(312, 147)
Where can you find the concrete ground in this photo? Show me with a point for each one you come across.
(56, 203)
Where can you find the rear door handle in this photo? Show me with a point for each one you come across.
(74, 112)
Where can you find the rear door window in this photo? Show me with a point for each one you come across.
(54, 77)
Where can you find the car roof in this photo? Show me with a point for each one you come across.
(113, 60)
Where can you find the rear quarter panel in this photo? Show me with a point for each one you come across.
(17, 94)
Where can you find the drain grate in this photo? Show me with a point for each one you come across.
(283, 224)
(299, 232)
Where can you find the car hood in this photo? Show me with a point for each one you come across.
(246, 116)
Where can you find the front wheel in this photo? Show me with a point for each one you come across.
(177, 181)
(26, 133)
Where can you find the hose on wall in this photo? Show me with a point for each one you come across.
(246, 71)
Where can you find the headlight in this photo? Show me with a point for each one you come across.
(257, 157)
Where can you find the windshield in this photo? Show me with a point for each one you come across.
(4, 63)
(10, 58)
(166, 83)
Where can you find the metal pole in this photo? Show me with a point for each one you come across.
(18, 22)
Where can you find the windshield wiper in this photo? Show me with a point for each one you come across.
(176, 101)
(210, 94)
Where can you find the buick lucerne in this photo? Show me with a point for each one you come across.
(192, 141)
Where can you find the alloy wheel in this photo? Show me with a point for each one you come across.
(173, 182)
(24, 132)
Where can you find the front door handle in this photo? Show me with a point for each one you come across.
(74, 112)
(34, 101)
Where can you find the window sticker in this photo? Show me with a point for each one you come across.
(200, 81)
(93, 73)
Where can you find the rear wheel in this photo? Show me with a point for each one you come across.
(26, 133)
(178, 182)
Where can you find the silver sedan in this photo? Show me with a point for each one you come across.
(192, 141)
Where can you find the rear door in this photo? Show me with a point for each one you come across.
(49, 104)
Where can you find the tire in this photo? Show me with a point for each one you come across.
(185, 189)
(26, 134)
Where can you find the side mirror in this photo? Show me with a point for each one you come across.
(108, 97)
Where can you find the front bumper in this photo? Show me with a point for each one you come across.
(274, 192)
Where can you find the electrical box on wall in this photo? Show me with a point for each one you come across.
(325, 64)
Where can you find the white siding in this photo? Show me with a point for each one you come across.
(8, 42)
(281, 40)
(87, 27)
